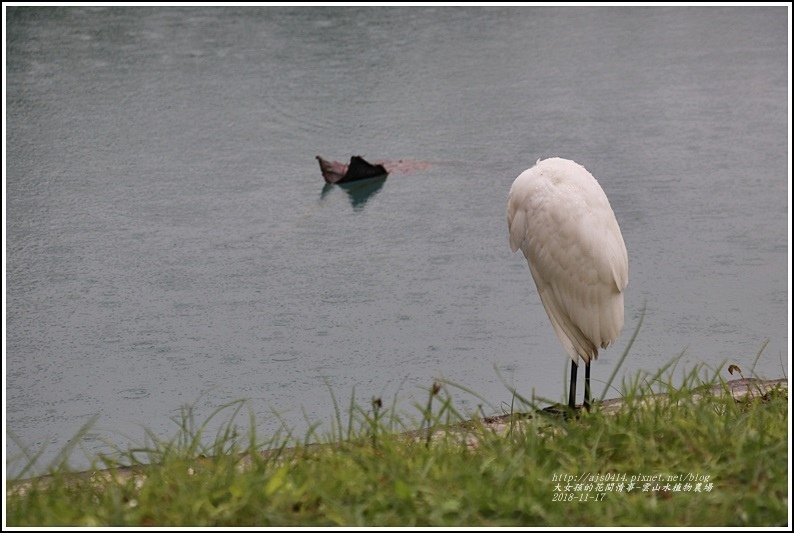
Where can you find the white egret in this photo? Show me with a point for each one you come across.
(561, 219)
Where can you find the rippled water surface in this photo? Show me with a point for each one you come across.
(170, 239)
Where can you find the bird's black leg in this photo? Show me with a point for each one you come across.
(587, 385)
(572, 389)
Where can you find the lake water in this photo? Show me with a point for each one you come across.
(170, 240)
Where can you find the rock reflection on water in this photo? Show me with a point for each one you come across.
(358, 192)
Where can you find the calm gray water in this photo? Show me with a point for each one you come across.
(170, 241)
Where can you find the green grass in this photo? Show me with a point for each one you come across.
(367, 474)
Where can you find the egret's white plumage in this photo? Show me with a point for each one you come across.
(559, 216)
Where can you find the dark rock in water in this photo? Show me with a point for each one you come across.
(358, 169)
